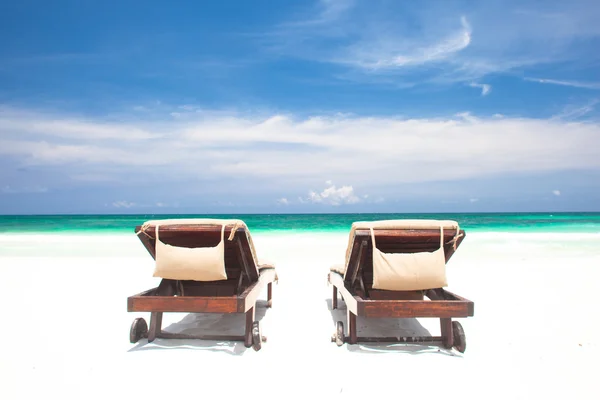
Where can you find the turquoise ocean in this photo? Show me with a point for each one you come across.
(300, 223)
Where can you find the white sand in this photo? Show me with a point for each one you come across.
(535, 333)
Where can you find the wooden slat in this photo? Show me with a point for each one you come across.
(183, 304)
(398, 339)
(407, 241)
(413, 309)
(210, 291)
(375, 294)
(231, 338)
(443, 294)
(245, 262)
(360, 257)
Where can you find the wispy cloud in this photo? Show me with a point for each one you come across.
(456, 43)
(583, 85)
(485, 88)
(574, 112)
(365, 55)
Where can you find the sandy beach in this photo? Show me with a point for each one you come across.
(535, 333)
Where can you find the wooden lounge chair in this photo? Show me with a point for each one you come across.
(422, 243)
(207, 266)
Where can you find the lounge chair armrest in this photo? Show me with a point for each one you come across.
(339, 268)
(267, 271)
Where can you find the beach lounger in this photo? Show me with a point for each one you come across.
(391, 266)
(206, 266)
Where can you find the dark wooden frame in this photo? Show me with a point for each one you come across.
(238, 294)
(355, 287)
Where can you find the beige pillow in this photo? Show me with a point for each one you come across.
(409, 271)
(197, 264)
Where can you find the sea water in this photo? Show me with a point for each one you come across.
(305, 223)
(113, 235)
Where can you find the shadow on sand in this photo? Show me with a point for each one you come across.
(205, 324)
(382, 327)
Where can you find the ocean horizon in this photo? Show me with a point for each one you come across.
(533, 222)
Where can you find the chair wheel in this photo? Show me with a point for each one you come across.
(256, 336)
(460, 341)
(339, 333)
(139, 329)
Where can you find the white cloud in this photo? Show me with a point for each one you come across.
(485, 88)
(123, 204)
(556, 192)
(293, 153)
(334, 196)
(283, 201)
(577, 84)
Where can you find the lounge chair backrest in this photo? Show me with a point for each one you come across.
(209, 250)
(400, 255)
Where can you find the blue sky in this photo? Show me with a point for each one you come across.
(299, 106)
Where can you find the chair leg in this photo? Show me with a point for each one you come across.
(270, 295)
(352, 328)
(155, 325)
(447, 334)
(334, 298)
(249, 321)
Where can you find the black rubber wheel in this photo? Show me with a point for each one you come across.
(256, 336)
(460, 341)
(339, 333)
(139, 329)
